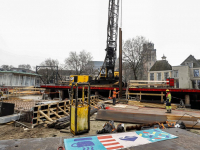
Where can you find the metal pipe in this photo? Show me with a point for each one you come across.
(120, 63)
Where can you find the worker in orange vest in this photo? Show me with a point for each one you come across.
(114, 96)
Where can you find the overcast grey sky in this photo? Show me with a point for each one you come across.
(34, 30)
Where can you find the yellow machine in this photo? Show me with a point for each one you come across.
(116, 74)
(80, 109)
(79, 79)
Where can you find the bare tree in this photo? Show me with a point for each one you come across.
(78, 62)
(50, 62)
(72, 62)
(49, 73)
(84, 58)
(6, 67)
(135, 56)
(25, 66)
(127, 72)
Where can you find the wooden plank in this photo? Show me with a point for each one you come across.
(64, 106)
(189, 124)
(149, 94)
(153, 84)
(38, 114)
(55, 113)
(48, 111)
(140, 104)
(130, 81)
(41, 112)
(63, 111)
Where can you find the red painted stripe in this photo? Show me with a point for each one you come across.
(116, 147)
(107, 141)
(130, 89)
(104, 137)
(145, 132)
(157, 138)
(111, 144)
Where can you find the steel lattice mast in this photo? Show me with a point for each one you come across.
(112, 34)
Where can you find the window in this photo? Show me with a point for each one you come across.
(175, 73)
(159, 76)
(194, 85)
(196, 72)
(151, 76)
(198, 84)
(189, 64)
(166, 75)
(177, 83)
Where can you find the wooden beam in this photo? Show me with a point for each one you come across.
(63, 111)
(146, 81)
(150, 94)
(141, 104)
(55, 113)
(48, 118)
(139, 84)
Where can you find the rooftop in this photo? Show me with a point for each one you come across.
(161, 65)
(23, 73)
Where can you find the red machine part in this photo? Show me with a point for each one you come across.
(171, 82)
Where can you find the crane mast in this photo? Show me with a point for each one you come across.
(111, 45)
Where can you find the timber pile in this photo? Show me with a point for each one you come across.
(146, 83)
(26, 91)
(141, 104)
(189, 121)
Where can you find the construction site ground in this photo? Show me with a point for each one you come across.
(186, 140)
(14, 132)
(10, 131)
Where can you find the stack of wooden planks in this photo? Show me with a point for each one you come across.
(25, 91)
(189, 121)
(146, 83)
(141, 104)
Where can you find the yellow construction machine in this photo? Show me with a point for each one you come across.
(80, 108)
(79, 79)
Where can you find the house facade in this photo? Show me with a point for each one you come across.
(18, 77)
(186, 75)
(160, 71)
(181, 75)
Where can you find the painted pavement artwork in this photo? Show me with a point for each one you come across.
(118, 140)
